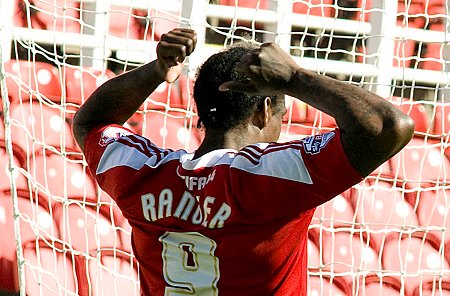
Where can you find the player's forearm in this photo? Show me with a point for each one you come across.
(372, 128)
(117, 99)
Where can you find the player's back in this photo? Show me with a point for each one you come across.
(228, 223)
(195, 229)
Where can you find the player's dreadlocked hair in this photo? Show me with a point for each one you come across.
(222, 110)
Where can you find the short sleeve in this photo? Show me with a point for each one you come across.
(113, 152)
(279, 179)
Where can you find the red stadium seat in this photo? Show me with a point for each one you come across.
(141, 24)
(314, 257)
(62, 177)
(421, 161)
(42, 126)
(336, 212)
(171, 130)
(315, 7)
(434, 58)
(417, 257)
(26, 79)
(290, 132)
(122, 23)
(323, 285)
(344, 251)
(375, 285)
(80, 83)
(34, 221)
(441, 122)
(87, 227)
(165, 95)
(318, 118)
(20, 180)
(433, 210)
(296, 111)
(116, 273)
(51, 270)
(52, 15)
(433, 288)
(381, 205)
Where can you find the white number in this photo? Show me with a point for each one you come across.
(189, 264)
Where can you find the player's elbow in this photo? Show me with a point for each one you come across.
(397, 132)
(79, 129)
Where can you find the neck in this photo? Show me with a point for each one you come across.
(235, 138)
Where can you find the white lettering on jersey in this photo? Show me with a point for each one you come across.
(314, 144)
(158, 208)
(198, 182)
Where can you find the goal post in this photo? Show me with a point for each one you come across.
(389, 233)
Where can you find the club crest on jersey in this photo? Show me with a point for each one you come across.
(314, 144)
(112, 134)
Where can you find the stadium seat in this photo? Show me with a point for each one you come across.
(441, 119)
(415, 255)
(165, 96)
(171, 130)
(62, 177)
(348, 251)
(322, 8)
(433, 210)
(295, 111)
(336, 212)
(87, 227)
(122, 23)
(314, 257)
(319, 119)
(50, 269)
(80, 82)
(42, 126)
(54, 15)
(34, 220)
(421, 162)
(434, 58)
(433, 288)
(141, 24)
(115, 273)
(324, 285)
(20, 180)
(380, 205)
(27, 80)
(376, 285)
(296, 131)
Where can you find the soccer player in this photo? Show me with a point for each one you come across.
(232, 217)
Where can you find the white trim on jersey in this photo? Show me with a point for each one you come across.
(282, 161)
(119, 154)
(210, 159)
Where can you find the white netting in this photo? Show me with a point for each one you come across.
(388, 234)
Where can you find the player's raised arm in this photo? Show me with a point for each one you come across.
(372, 129)
(117, 99)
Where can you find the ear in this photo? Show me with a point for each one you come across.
(263, 113)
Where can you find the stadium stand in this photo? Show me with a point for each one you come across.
(110, 274)
(87, 227)
(45, 128)
(29, 79)
(371, 232)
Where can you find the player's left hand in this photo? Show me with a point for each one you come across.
(172, 50)
(268, 70)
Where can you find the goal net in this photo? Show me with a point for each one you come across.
(62, 235)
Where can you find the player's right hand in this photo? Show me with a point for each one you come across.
(172, 50)
(268, 70)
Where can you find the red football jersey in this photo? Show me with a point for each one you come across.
(228, 223)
